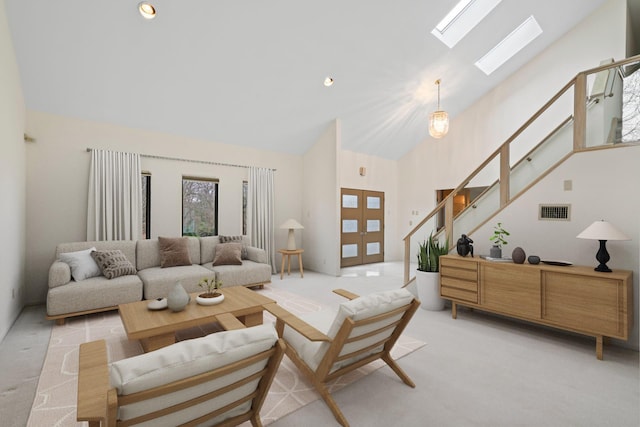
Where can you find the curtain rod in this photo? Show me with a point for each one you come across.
(206, 162)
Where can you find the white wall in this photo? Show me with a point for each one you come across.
(600, 178)
(12, 181)
(321, 208)
(57, 181)
(601, 182)
(381, 175)
(481, 129)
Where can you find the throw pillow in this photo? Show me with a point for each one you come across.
(226, 239)
(228, 254)
(81, 264)
(113, 263)
(174, 251)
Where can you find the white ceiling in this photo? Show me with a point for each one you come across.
(250, 72)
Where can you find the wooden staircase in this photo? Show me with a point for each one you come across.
(570, 135)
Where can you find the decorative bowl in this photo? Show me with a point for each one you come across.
(210, 301)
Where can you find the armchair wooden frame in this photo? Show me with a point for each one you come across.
(98, 403)
(323, 374)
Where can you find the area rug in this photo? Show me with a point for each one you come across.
(55, 401)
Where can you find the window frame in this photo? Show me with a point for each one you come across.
(216, 182)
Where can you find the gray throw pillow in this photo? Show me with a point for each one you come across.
(113, 263)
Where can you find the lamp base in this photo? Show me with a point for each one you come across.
(603, 257)
(291, 241)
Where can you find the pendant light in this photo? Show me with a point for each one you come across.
(438, 120)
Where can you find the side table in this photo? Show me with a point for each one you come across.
(286, 255)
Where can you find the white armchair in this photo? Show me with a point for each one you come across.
(327, 345)
(221, 379)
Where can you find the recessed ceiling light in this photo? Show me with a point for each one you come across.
(147, 10)
(328, 81)
(510, 45)
(461, 19)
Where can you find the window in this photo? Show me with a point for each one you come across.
(146, 205)
(199, 206)
(245, 195)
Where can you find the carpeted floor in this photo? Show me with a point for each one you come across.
(55, 401)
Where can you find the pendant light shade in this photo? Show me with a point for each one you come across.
(438, 120)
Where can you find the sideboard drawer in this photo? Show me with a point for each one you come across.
(459, 279)
(459, 294)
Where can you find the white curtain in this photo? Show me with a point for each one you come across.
(115, 196)
(261, 205)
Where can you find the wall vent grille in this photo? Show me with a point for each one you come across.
(554, 212)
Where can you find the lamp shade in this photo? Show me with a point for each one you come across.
(602, 230)
(291, 224)
(438, 124)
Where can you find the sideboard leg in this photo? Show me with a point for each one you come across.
(454, 310)
(599, 345)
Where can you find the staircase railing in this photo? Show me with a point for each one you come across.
(552, 148)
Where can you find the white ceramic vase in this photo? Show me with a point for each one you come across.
(178, 298)
(428, 286)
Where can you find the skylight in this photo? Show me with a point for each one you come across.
(461, 19)
(510, 45)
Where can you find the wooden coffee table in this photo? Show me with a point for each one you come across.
(156, 329)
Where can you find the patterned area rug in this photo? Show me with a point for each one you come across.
(55, 401)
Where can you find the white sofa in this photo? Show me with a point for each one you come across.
(67, 297)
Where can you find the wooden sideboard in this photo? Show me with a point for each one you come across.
(573, 298)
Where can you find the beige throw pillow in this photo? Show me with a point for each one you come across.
(174, 251)
(228, 254)
(113, 263)
(226, 239)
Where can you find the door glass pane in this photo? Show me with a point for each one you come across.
(373, 202)
(349, 201)
(373, 225)
(350, 251)
(373, 248)
(349, 225)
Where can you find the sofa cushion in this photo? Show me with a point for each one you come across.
(113, 263)
(174, 251)
(189, 358)
(148, 252)
(228, 254)
(81, 263)
(94, 293)
(158, 282)
(249, 273)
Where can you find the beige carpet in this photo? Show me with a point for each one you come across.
(55, 401)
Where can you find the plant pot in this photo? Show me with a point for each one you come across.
(428, 287)
(495, 251)
(203, 300)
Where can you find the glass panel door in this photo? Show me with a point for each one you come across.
(362, 227)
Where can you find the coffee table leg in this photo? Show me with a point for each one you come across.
(253, 319)
(159, 341)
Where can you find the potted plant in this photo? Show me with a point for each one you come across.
(428, 274)
(498, 240)
(211, 296)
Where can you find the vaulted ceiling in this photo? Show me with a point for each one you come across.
(251, 72)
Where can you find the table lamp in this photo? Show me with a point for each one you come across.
(291, 224)
(602, 231)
